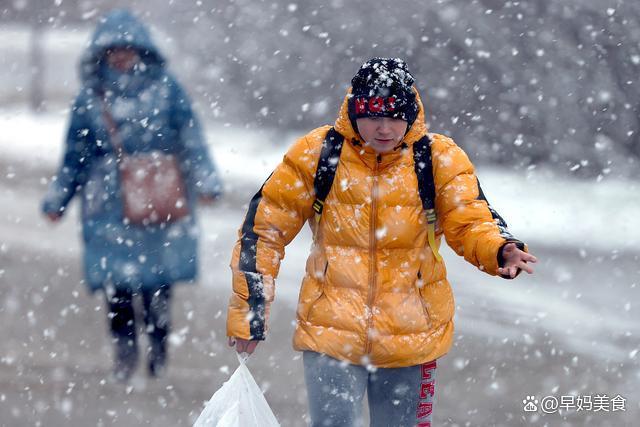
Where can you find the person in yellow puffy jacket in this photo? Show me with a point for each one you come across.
(375, 310)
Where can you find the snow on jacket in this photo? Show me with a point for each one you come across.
(152, 112)
(373, 292)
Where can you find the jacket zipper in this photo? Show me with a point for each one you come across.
(373, 265)
(425, 310)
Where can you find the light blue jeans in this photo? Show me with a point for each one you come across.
(397, 397)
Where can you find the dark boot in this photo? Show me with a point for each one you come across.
(157, 362)
(126, 359)
(157, 320)
(122, 323)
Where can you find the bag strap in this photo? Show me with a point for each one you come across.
(112, 129)
(326, 170)
(427, 188)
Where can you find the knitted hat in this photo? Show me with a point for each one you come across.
(383, 87)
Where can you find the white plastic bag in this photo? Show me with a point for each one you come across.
(238, 403)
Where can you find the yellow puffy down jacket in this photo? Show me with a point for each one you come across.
(373, 292)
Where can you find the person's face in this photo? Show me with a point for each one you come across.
(381, 133)
(122, 59)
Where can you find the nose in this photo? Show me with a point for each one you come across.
(384, 125)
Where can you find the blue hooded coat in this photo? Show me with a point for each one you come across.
(151, 112)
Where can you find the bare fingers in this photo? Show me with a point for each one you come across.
(526, 266)
(243, 346)
(248, 347)
(510, 271)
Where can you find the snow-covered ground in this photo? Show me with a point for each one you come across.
(570, 328)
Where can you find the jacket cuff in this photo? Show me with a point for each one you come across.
(52, 206)
(238, 325)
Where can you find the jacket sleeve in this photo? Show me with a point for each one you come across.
(471, 226)
(197, 161)
(77, 154)
(275, 216)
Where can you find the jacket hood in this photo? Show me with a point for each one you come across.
(118, 28)
(345, 127)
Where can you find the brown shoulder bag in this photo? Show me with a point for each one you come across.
(151, 183)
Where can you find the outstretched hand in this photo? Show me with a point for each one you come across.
(53, 216)
(515, 259)
(243, 346)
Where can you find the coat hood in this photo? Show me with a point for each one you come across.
(118, 28)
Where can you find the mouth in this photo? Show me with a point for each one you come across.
(384, 140)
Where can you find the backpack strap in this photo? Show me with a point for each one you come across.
(427, 188)
(326, 170)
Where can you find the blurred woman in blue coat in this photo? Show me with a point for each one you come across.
(129, 104)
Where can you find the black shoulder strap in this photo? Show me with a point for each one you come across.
(424, 172)
(326, 170)
(427, 188)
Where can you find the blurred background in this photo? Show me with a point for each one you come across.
(530, 83)
(543, 95)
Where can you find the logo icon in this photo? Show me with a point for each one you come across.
(530, 404)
